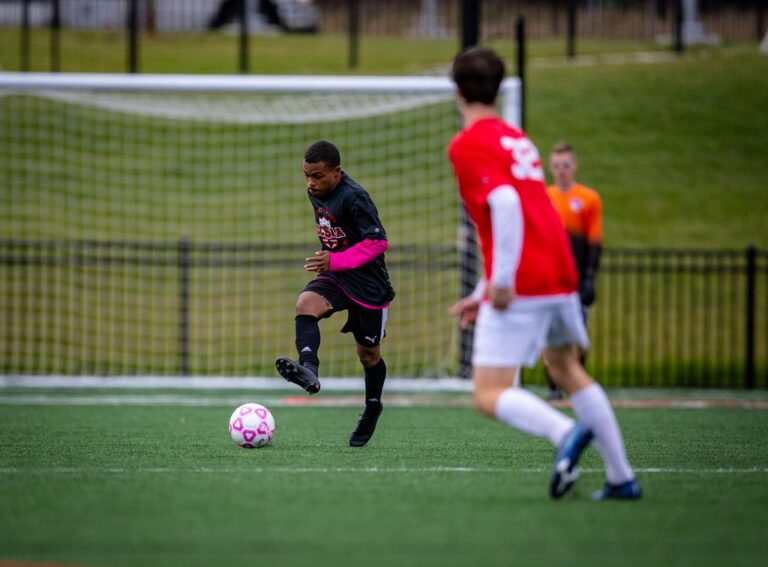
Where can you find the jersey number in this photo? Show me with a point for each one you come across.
(525, 157)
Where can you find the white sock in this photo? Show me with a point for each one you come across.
(594, 410)
(529, 413)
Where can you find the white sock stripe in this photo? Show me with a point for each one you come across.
(382, 331)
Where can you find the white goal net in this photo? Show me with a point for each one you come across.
(157, 225)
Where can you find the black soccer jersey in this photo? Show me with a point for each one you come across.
(344, 217)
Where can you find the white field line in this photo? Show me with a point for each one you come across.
(133, 400)
(356, 384)
(355, 470)
(299, 399)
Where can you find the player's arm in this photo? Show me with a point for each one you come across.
(467, 307)
(594, 234)
(507, 229)
(349, 259)
(357, 255)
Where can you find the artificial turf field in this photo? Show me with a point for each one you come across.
(127, 478)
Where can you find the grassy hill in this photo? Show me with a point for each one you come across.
(674, 144)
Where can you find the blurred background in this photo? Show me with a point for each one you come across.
(157, 233)
(175, 36)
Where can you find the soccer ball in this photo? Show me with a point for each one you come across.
(251, 426)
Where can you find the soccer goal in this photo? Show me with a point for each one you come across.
(157, 225)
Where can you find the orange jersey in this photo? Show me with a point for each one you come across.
(581, 211)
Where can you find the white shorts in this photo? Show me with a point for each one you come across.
(517, 336)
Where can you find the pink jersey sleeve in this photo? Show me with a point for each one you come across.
(357, 255)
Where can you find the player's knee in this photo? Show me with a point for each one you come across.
(368, 356)
(485, 402)
(310, 303)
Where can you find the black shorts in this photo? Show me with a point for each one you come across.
(366, 325)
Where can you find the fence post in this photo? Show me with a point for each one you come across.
(677, 37)
(470, 23)
(468, 273)
(55, 36)
(572, 9)
(184, 266)
(245, 11)
(749, 359)
(25, 33)
(133, 36)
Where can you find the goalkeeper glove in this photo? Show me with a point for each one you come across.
(587, 290)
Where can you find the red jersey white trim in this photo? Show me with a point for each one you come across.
(489, 154)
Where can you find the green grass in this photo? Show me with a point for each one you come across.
(674, 148)
(128, 486)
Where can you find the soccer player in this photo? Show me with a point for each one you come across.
(527, 304)
(581, 211)
(351, 276)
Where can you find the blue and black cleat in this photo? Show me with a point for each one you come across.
(566, 470)
(629, 490)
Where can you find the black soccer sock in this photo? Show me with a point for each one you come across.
(308, 341)
(374, 382)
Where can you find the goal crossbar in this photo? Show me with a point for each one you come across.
(14, 81)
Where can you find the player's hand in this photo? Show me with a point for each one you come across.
(500, 297)
(466, 309)
(587, 291)
(320, 262)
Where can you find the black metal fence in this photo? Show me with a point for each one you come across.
(664, 21)
(693, 318)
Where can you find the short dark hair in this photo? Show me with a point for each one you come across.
(323, 151)
(562, 147)
(478, 73)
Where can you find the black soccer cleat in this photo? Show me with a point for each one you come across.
(367, 425)
(298, 374)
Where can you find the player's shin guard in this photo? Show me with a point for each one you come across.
(308, 341)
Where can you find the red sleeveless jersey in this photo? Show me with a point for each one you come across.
(491, 153)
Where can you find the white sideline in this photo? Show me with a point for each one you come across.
(228, 383)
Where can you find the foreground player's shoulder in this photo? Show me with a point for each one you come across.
(456, 145)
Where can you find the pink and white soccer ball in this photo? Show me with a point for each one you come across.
(251, 426)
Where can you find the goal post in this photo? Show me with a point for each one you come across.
(157, 224)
